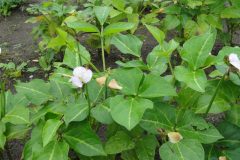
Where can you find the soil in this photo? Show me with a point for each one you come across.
(18, 45)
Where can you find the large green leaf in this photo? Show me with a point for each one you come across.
(82, 26)
(125, 44)
(117, 28)
(77, 111)
(156, 86)
(12, 100)
(77, 57)
(128, 79)
(49, 130)
(161, 116)
(183, 150)
(196, 80)
(37, 91)
(102, 112)
(219, 105)
(128, 112)
(83, 140)
(18, 115)
(59, 91)
(157, 33)
(118, 143)
(234, 115)
(145, 147)
(2, 136)
(231, 12)
(55, 150)
(196, 50)
(102, 13)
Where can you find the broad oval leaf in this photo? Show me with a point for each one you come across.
(183, 150)
(76, 111)
(83, 140)
(117, 28)
(36, 91)
(128, 112)
(118, 143)
(155, 86)
(196, 50)
(195, 80)
(157, 33)
(55, 150)
(82, 26)
(18, 115)
(49, 130)
(102, 13)
(125, 44)
(128, 79)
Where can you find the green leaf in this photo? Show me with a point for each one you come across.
(102, 13)
(161, 116)
(125, 45)
(78, 57)
(18, 115)
(219, 105)
(233, 115)
(145, 147)
(49, 130)
(55, 150)
(209, 135)
(195, 80)
(16, 131)
(155, 86)
(231, 12)
(82, 26)
(59, 91)
(76, 111)
(183, 150)
(102, 112)
(118, 143)
(117, 28)
(196, 50)
(128, 112)
(36, 91)
(128, 79)
(157, 33)
(171, 21)
(83, 140)
(2, 135)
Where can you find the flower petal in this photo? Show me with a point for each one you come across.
(76, 82)
(79, 71)
(234, 60)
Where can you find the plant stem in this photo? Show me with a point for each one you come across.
(87, 97)
(102, 46)
(2, 98)
(215, 94)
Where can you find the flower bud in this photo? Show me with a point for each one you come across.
(174, 137)
(114, 85)
(222, 158)
(101, 80)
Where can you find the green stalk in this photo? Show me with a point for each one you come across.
(215, 94)
(87, 96)
(2, 98)
(102, 46)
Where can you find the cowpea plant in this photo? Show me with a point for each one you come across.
(141, 110)
(147, 106)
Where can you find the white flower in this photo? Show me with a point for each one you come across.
(222, 158)
(76, 82)
(174, 137)
(80, 76)
(234, 60)
(113, 84)
(84, 74)
(0, 50)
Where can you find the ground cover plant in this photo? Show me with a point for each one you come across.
(151, 106)
(7, 5)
